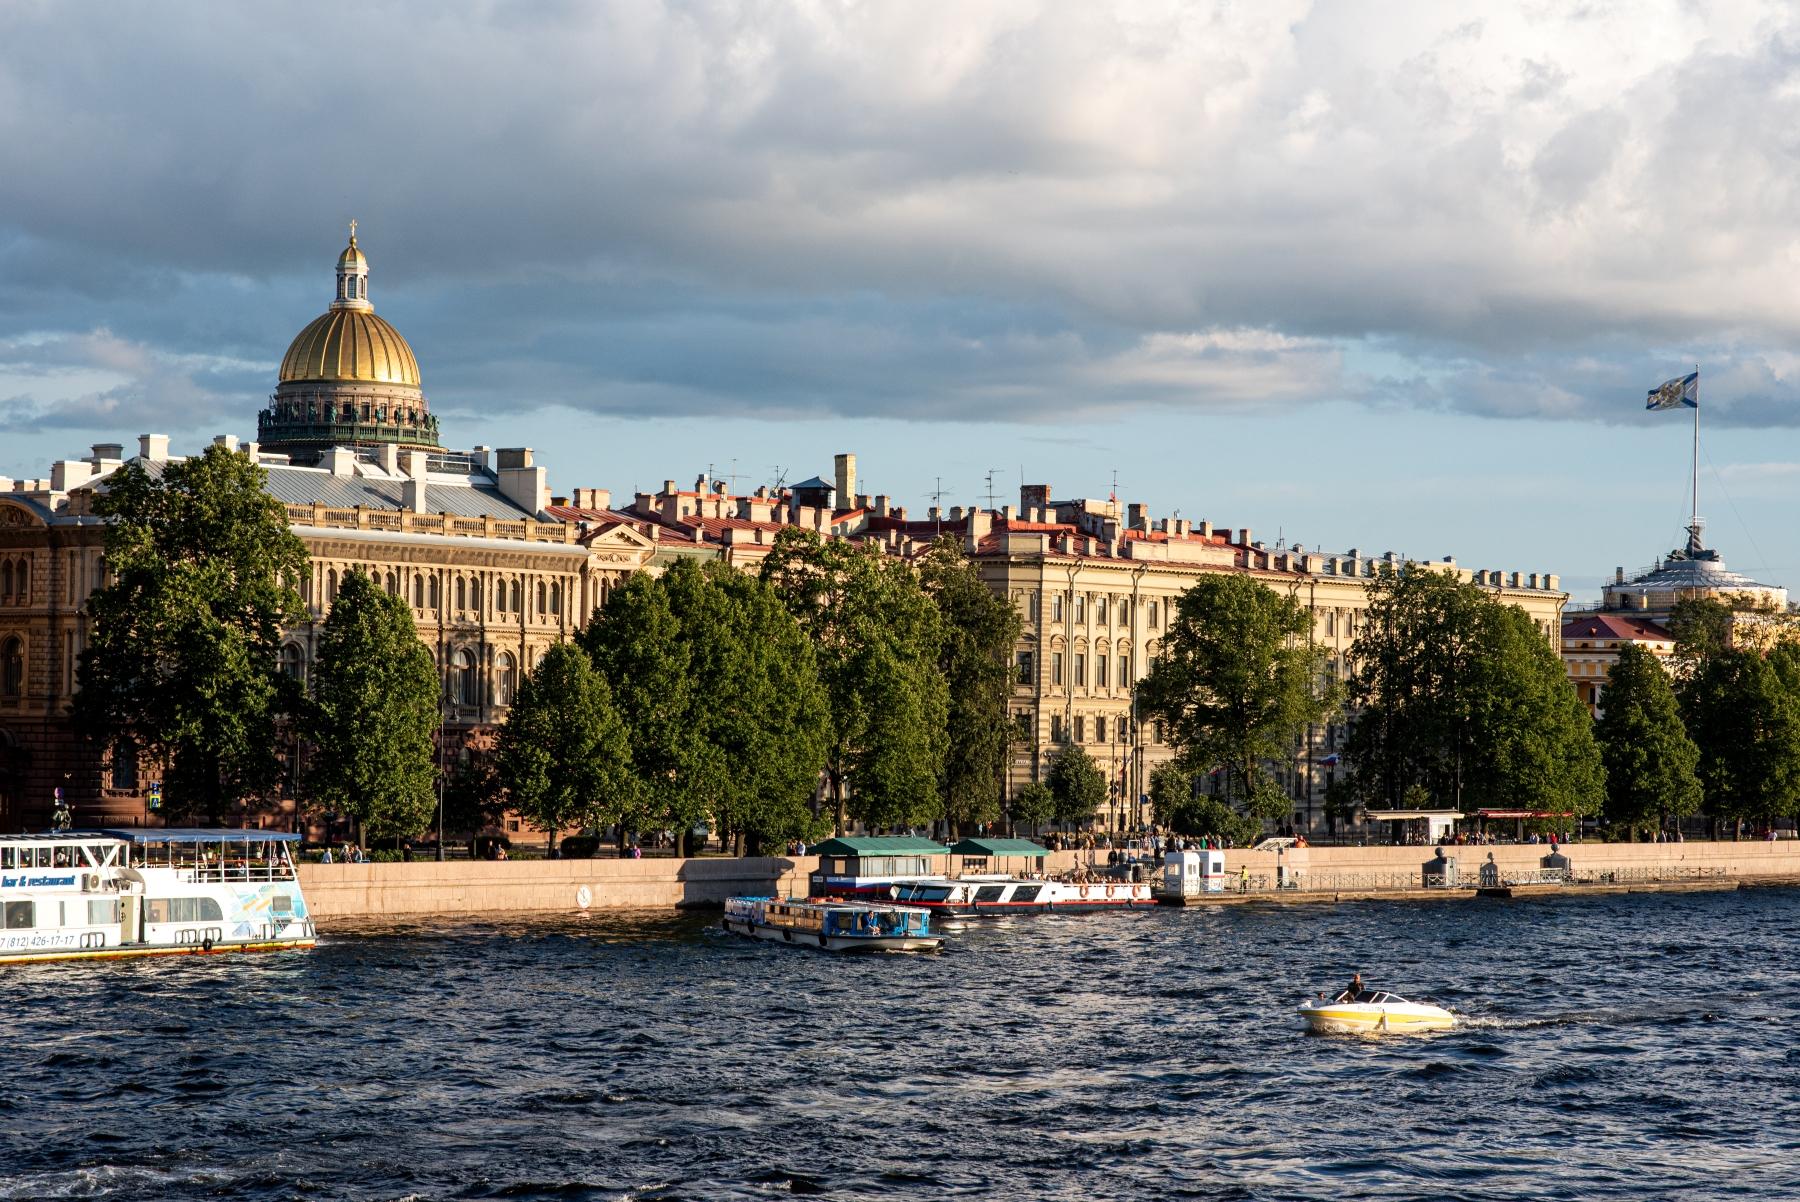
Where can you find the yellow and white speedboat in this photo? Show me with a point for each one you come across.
(1374, 1012)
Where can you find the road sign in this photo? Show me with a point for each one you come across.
(155, 802)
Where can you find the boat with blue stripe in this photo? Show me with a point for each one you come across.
(837, 926)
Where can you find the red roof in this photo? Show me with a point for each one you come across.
(1616, 626)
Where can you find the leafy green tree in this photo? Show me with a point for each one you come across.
(1076, 783)
(1460, 696)
(719, 689)
(1237, 683)
(980, 630)
(563, 755)
(1745, 719)
(183, 657)
(1650, 761)
(473, 795)
(1033, 805)
(877, 638)
(374, 713)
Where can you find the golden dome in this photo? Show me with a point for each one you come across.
(351, 344)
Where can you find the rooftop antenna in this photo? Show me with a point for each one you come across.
(734, 476)
(1114, 495)
(780, 478)
(990, 484)
(937, 505)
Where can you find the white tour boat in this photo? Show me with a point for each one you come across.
(69, 895)
(1373, 1011)
(834, 926)
(982, 894)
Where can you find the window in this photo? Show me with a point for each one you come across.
(556, 599)
(418, 592)
(506, 678)
(1081, 669)
(1099, 729)
(1056, 667)
(1330, 623)
(291, 661)
(1022, 725)
(1100, 611)
(182, 909)
(1156, 733)
(20, 915)
(1124, 671)
(518, 604)
(434, 592)
(462, 595)
(462, 677)
(12, 669)
(1152, 615)
(6, 581)
(1056, 607)
(1025, 666)
(1124, 611)
(1033, 614)
(125, 765)
(542, 599)
(1056, 728)
(1101, 675)
(103, 912)
(1080, 608)
(1081, 730)
(393, 585)
(331, 585)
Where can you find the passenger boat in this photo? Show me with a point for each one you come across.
(834, 926)
(69, 895)
(1371, 1011)
(970, 896)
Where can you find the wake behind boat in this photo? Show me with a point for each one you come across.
(836, 926)
(1374, 1012)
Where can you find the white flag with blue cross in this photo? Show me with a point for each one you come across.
(1683, 391)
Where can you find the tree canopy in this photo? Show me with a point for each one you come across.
(563, 751)
(183, 655)
(1076, 783)
(1179, 805)
(979, 630)
(1237, 683)
(877, 638)
(1650, 761)
(1460, 696)
(374, 713)
(1033, 805)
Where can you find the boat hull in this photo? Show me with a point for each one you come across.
(132, 951)
(833, 942)
(1376, 1020)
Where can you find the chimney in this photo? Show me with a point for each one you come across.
(228, 441)
(1136, 516)
(480, 456)
(1033, 496)
(1206, 530)
(339, 461)
(521, 483)
(845, 466)
(69, 473)
(389, 457)
(668, 488)
(413, 494)
(154, 447)
(1244, 536)
(1618, 575)
(981, 524)
(107, 452)
(881, 504)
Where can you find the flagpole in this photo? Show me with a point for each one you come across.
(1696, 494)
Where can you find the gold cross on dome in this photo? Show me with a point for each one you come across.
(353, 229)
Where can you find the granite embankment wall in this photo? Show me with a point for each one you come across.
(483, 887)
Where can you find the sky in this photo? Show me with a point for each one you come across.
(1388, 276)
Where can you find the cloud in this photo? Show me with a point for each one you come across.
(1012, 210)
(98, 381)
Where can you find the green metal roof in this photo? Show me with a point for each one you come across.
(881, 845)
(998, 847)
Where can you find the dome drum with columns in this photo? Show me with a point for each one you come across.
(348, 379)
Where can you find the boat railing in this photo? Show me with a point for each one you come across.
(1397, 881)
(236, 870)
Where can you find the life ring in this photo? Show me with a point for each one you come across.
(1087, 891)
(206, 945)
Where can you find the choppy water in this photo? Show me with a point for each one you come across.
(1640, 1047)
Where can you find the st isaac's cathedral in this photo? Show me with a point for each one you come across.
(351, 448)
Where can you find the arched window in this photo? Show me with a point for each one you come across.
(306, 589)
(434, 592)
(506, 678)
(518, 605)
(463, 683)
(541, 599)
(462, 593)
(22, 582)
(556, 599)
(12, 669)
(393, 585)
(291, 662)
(418, 592)
(6, 587)
(331, 585)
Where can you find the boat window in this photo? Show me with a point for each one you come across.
(103, 912)
(20, 915)
(1026, 893)
(988, 893)
(281, 903)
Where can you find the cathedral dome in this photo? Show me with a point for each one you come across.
(348, 379)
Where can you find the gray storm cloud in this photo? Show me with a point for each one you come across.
(1006, 210)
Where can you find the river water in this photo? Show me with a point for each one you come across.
(1617, 1047)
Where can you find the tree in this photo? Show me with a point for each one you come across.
(1076, 783)
(183, 657)
(1183, 808)
(1650, 760)
(1237, 683)
(374, 713)
(877, 638)
(719, 690)
(1033, 805)
(979, 633)
(1460, 696)
(563, 755)
(1745, 720)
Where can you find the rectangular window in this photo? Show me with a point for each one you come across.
(1081, 669)
(1080, 608)
(1026, 667)
(1100, 611)
(1056, 607)
(1156, 735)
(1022, 725)
(125, 765)
(1099, 730)
(1124, 671)
(1081, 730)
(1056, 667)
(103, 913)
(1330, 623)
(20, 916)
(1124, 611)
(1034, 613)
(1056, 730)
(1101, 676)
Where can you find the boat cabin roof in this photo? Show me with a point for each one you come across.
(881, 845)
(190, 834)
(999, 847)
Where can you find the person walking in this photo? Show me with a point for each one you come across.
(1243, 878)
